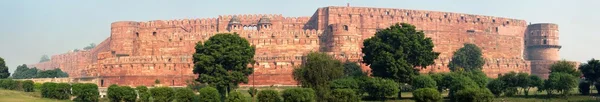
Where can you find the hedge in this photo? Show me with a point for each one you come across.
(184, 95)
(344, 95)
(162, 94)
(427, 95)
(268, 96)
(85, 92)
(474, 95)
(143, 93)
(28, 86)
(298, 95)
(209, 94)
(235, 96)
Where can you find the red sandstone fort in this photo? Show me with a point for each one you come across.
(138, 53)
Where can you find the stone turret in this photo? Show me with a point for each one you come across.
(264, 23)
(541, 42)
(343, 41)
(234, 24)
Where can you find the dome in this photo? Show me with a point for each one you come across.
(235, 20)
(264, 20)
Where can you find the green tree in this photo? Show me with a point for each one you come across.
(162, 94)
(28, 86)
(344, 95)
(561, 82)
(474, 95)
(497, 86)
(352, 69)
(564, 66)
(397, 51)
(317, 72)
(268, 96)
(23, 72)
(591, 72)
(235, 96)
(128, 93)
(380, 88)
(3, 69)
(468, 58)
(252, 91)
(346, 83)
(423, 81)
(114, 93)
(439, 80)
(184, 95)
(85, 92)
(209, 94)
(298, 95)
(427, 95)
(44, 58)
(143, 93)
(89, 47)
(54, 73)
(222, 61)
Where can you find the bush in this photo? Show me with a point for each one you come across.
(235, 96)
(252, 91)
(210, 94)
(128, 94)
(427, 95)
(423, 81)
(380, 88)
(561, 82)
(497, 86)
(63, 91)
(48, 90)
(87, 92)
(345, 83)
(268, 96)
(113, 93)
(298, 95)
(37, 86)
(474, 95)
(162, 94)
(143, 93)
(344, 95)
(27, 86)
(584, 88)
(184, 95)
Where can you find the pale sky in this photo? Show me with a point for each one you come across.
(32, 28)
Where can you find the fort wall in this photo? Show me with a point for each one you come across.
(137, 53)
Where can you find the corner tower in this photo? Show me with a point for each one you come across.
(122, 35)
(344, 42)
(541, 42)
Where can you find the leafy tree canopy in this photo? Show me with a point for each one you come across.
(317, 72)
(591, 70)
(394, 52)
(23, 72)
(222, 61)
(352, 69)
(3, 69)
(468, 58)
(91, 46)
(564, 66)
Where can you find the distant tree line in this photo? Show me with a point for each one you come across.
(23, 72)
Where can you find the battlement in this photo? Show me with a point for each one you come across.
(249, 17)
(432, 15)
(147, 59)
(543, 26)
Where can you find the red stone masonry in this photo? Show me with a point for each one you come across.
(137, 53)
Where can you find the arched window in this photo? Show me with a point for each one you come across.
(346, 27)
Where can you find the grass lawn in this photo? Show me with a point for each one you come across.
(20, 96)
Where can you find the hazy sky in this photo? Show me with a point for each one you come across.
(32, 28)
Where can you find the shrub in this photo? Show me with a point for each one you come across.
(48, 90)
(584, 88)
(268, 96)
(210, 94)
(344, 95)
(63, 91)
(427, 95)
(37, 86)
(143, 93)
(497, 86)
(162, 94)
(27, 86)
(423, 81)
(380, 88)
(85, 92)
(474, 95)
(252, 91)
(235, 96)
(345, 83)
(561, 82)
(128, 94)
(184, 95)
(298, 95)
(113, 93)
